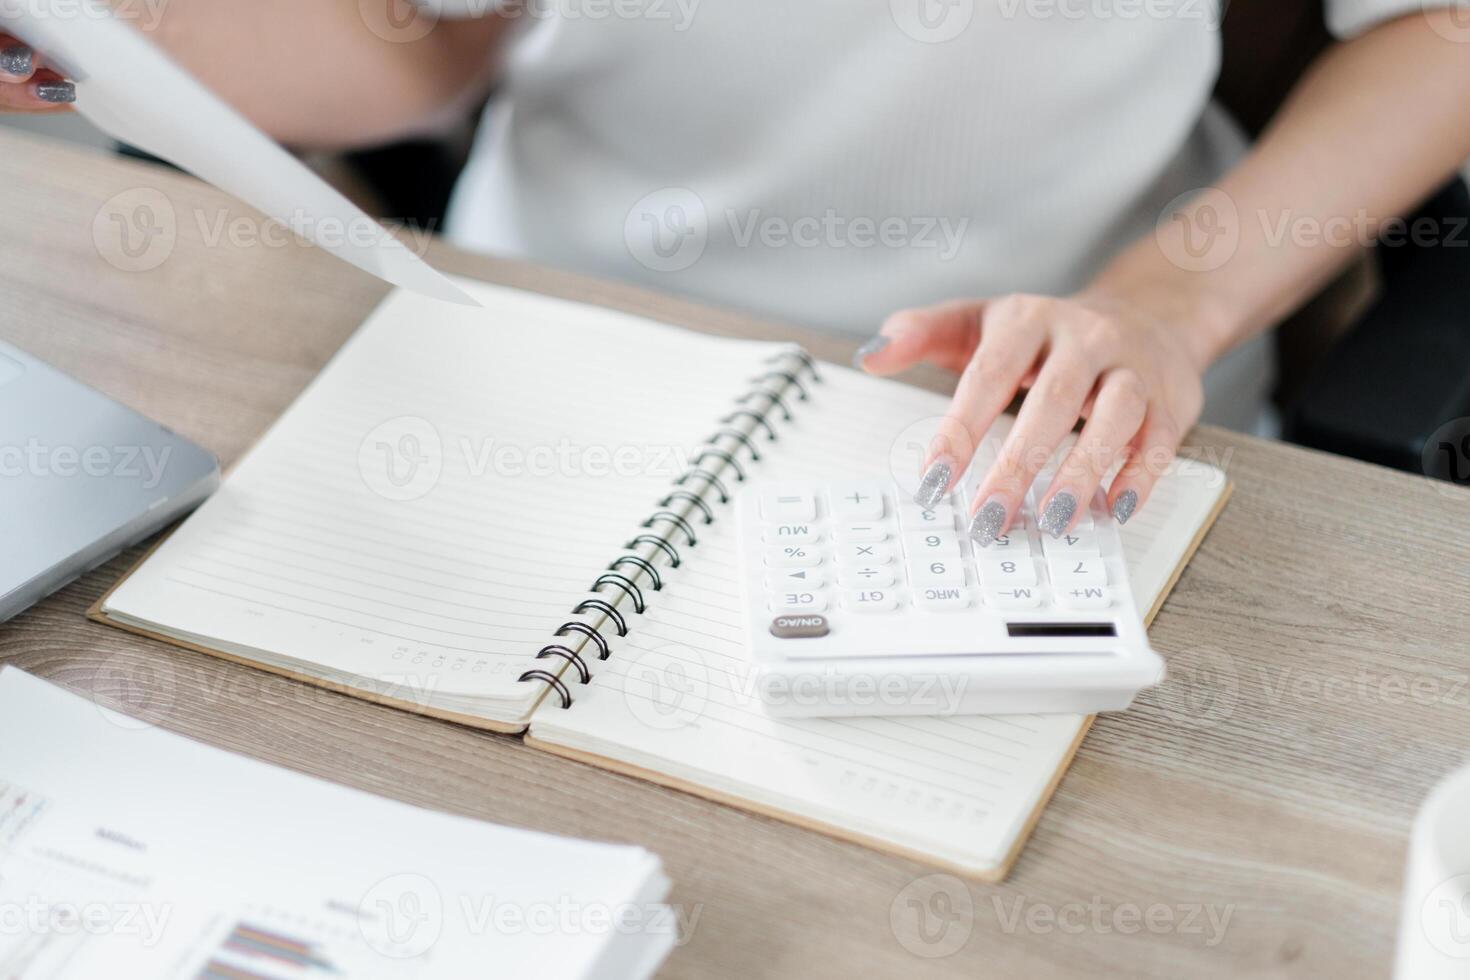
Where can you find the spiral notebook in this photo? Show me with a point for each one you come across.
(517, 518)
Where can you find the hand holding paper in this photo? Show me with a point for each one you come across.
(132, 91)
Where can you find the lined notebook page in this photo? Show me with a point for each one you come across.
(678, 696)
(443, 494)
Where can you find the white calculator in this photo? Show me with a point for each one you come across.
(861, 602)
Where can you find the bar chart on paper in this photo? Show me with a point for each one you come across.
(260, 942)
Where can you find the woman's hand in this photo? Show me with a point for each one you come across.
(26, 85)
(1128, 363)
(1127, 353)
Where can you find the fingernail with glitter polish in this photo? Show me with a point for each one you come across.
(1124, 506)
(935, 482)
(57, 93)
(18, 60)
(1058, 513)
(988, 521)
(868, 350)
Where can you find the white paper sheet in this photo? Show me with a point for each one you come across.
(129, 89)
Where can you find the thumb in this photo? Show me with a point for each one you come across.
(945, 335)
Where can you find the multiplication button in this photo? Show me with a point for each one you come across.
(864, 553)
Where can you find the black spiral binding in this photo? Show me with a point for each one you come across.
(674, 519)
(662, 544)
(700, 473)
(676, 510)
(695, 499)
(608, 610)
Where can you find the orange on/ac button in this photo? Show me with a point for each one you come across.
(802, 627)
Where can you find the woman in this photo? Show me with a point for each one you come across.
(832, 163)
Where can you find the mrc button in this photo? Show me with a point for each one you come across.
(802, 627)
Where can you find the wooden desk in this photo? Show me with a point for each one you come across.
(1319, 675)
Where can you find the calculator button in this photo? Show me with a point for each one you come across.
(1085, 596)
(942, 598)
(795, 578)
(1014, 542)
(1005, 573)
(800, 627)
(856, 502)
(1020, 597)
(792, 534)
(793, 556)
(936, 571)
(1067, 571)
(915, 518)
(788, 506)
(869, 531)
(791, 602)
(864, 553)
(1079, 543)
(924, 545)
(866, 576)
(870, 600)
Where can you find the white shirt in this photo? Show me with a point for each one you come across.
(827, 162)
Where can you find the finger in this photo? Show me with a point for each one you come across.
(1117, 414)
(1149, 456)
(1047, 415)
(944, 335)
(45, 92)
(17, 60)
(1011, 337)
